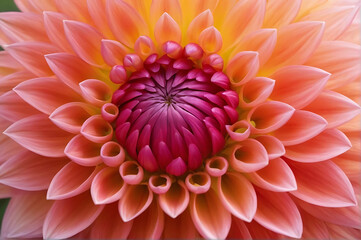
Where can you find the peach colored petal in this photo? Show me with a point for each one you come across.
(125, 22)
(25, 6)
(130, 207)
(8, 82)
(151, 223)
(28, 171)
(112, 154)
(22, 27)
(44, 94)
(180, 227)
(314, 185)
(144, 47)
(71, 116)
(88, 48)
(25, 215)
(97, 130)
(216, 166)
(269, 116)
(280, 12)
(131, 172)
(31, 56)
(209, 216)
(81, 177)
(75, 10)
(171, 7)
(351, 34)
(8, 63)
(176, 200)
(244, 17)
(198, 24)
(198, 182)
(298, 85)
(295, 44)
(313, 227)
(210, 40)
(97, 11)
(61, 222)
(302, 126)
(96, 92)
(248, 156)
(82, 151)
(309, 5)
(262, 41)
(328, 144)
(109, 225)
(256, 91)
(242, 203)
(238, 230)
(276, 176)
(242, 67)
(239, 131)
(277, 212)
(113, 52)
(107, 186)
(53, 23)
(166, 29)
(38, 134)
(70, 69)
(43, 5)
(14, 108)
(273, 146)
(337, 19)
(339, 58)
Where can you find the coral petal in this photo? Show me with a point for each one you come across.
(95, 91)
(97, 130)
(242, 67)
(113, 52)
(176, 200)
(256, 91)
(273, 146)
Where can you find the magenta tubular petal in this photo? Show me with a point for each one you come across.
(198, 183)
(112, 154)
(131, 172)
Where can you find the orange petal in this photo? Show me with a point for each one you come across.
(175, 201)
(256, 91)
(210, 40)
(61, 222)
(280, 13)
(171, 7)
(314, 185)
(38, 134)
(166, 29)
(198, 24)
(242, 67)
(209, 216)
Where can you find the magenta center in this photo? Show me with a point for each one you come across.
(173, 115)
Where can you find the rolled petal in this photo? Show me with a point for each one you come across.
(135, 201)
(314, 185)
(239, 131)
(144, 47)
(166, 29)
(125, 22)
(175, 200)
(242, 67)
(328, 144)
(338, 110)
(298, 85)
(87, 48)
(38, 134)
(302, 126)
(131, 172)
(113, 52)
(277, 212)
(339, 58)
(273, 146)
(281, 13)
(198, 24)
(61, 222)
(95, 91)
(216, 166)
(82, 151)
(210, 40)
(107, 186)
(109, 112)
(97, 130)
(242, 203)
(28, 171)
(180, 227)
(44, 94)
(256, 91)
(160, 184)
(198, 183)
(112, 154)
(248, 156)
(269, 116)
(25, 214)
(109, 225)
(81, 178)
(209, 216)
(276, 176)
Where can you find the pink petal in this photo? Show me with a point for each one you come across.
(328, 144)
(256, 91)
(25, 214)
(242, 203)
(273, 146)
(277, 212)
(9, 81)
(281, 13)
(248, 156)
(125, 22)
(43, 5)
(298, 85)
(276, 176)
(340, 232)
(198, 183)
(313, 228)
(112, 154)
(166, 29)
(28, 171)
(339, 58)
(269, 116)
(131, 172)
(95, 91)
(44, 94)
(216, 166)
(97, 11)
(61, 222)
(198, 24)
(38, 134)
(334, 107)
(135, 201)
(83, 152)
(71, 116)
(81, 178)
(160, 184)
(175, 201)
(239, 131)
(180, 227)
(109, 225)
(209, 216)
(109, 112)
(242, 67)
(107, 186)
(97, 130)
(314, 185)
(113, 52)
(302, 126)
(76, 10)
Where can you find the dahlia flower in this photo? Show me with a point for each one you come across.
(180, 119)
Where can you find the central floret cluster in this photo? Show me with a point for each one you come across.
(172, 114)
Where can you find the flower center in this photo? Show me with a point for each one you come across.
(172, 115)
